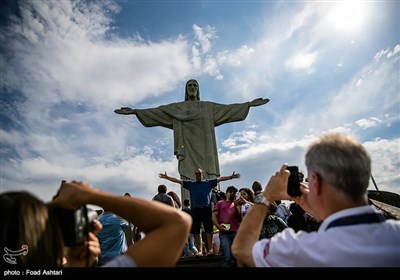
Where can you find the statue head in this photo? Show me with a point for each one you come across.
(192, 90)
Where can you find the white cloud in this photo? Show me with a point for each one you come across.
(385, 163)
(302, 61)
(204, 37)
(240, 139)
(388, 53)
(367, 123)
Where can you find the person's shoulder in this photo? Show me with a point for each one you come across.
(187, 182)
(217, 205)
(210, 180)
(222, 201)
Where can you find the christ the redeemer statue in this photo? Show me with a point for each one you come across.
(193, 122)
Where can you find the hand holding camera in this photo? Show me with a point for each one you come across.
(75, 224)
(87, 253)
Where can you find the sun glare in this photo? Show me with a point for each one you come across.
(348, 16)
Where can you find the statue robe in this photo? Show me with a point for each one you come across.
(193, 123)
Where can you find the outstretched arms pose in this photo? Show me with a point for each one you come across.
(179, 181)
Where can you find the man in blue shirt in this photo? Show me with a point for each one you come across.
(200, 197)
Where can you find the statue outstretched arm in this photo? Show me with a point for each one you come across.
(125, 111)
(258, 102)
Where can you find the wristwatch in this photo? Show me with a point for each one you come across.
(261, 199)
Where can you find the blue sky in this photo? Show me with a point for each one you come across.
(67, 65)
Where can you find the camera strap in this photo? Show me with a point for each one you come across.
(358, 219)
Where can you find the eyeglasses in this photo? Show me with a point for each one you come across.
(192, 85)
(197, 173)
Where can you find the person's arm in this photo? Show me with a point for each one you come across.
(215, 220)
(169, 178)
(250, 227)
(158, 221)
(226, 178)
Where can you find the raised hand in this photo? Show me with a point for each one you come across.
(235, 175)
(163, 175)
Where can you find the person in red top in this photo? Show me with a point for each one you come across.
(226, 217)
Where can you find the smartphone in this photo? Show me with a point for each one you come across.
(293, 187)
(238, 195)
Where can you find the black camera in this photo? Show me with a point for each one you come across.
(75, 224)
(293, 187)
